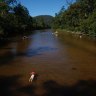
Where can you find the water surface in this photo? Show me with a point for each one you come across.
(60, 65)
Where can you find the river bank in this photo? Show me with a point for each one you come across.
(72, 37)
(77, 34)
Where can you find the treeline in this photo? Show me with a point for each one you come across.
(43, 21)
(79, 17)
(16, 20)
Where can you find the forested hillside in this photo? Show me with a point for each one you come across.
(44, 21)
(16, 20)
(78, 17)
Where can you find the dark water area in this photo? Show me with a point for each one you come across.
(64, 67)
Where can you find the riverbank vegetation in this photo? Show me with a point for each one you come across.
(79, 17)
(16, 20)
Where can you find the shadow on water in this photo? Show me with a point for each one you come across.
(11, 86)
(8, 85)
(52, 88)
(29, 90)
(6, 58)
(82, 88)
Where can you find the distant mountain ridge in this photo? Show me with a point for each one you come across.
(46, 19)
(45, 16)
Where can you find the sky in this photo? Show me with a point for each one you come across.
(43, 7)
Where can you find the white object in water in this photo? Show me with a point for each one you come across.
(25, 37)
(80, 36)
(56, 32)
(32, 77)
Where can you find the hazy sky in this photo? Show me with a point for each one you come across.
(43, 7)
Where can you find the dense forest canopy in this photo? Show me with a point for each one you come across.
(43, 21)
(78, 17)
(16, 20)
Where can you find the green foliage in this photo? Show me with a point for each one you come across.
(80, 16)
(43, 21)
(14, 20)
(21, 11)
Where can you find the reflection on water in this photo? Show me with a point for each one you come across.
(51, 57)
(34, 45)
(39, 50)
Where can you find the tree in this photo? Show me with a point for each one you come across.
(22, 16)
(79, 16)
(69, 2)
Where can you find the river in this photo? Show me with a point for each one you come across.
(62, 68)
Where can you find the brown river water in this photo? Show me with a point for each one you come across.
(63, 68)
